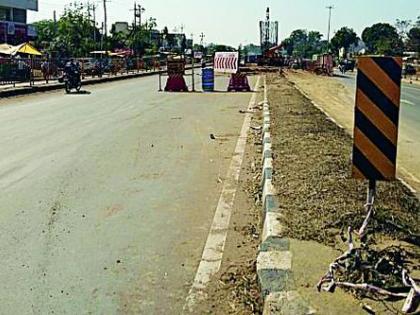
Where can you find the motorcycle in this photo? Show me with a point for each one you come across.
(71, 81)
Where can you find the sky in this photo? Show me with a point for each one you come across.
(235, 22)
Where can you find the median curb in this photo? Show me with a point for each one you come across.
(56, 86)
(274, 262)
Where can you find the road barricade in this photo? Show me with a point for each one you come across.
(239, 83)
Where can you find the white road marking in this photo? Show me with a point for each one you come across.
(407, 102)
(213, 251)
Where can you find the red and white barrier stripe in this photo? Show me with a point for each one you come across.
(226, 62)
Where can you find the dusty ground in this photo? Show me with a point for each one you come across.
(316, 195)
(338, 101)
(235, 289)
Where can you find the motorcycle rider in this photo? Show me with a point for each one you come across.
(72, 71)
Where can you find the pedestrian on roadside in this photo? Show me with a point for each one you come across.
(45, 69)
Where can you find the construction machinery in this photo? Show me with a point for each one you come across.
(269, 36)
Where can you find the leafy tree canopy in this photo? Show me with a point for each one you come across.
(343, 38)
(304, 44)
(383, 39)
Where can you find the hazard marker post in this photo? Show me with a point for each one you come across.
(376, 123)
(228, 62)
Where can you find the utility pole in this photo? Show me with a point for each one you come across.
(105, 19)
(330, 8)
(140, 10)
(55, 20)
(202, 39)
(192, 62)
(91, 7)
(135, 16)
(94, 22)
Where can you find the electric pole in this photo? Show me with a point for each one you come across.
(105, 19)
(55, 20)
(202, 39)
(330, 8)
(92, 17)
(140, 10)
(135, 16)
(94, 22)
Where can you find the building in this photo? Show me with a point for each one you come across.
(120, 27)
(13, 21)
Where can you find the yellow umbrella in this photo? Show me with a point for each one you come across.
(28, 49)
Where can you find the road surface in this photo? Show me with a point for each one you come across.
(108, 196)
(409, 133)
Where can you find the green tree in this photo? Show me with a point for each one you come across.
(383, 39)
(413, 39)
(343, 38)
(46, 34)
(212, 48)
(402, 27)
(72, 35)
(118, 39)
(304, 44)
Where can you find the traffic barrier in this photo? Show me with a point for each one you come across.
(376, 118)
(208, 79)
(239, 83)
(176, 83)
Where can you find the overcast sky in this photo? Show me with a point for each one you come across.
(236, 21)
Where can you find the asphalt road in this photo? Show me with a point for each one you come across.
(409, 131)
(107, 197)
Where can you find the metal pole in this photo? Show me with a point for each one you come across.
(371, 193)
(105, 19)
(329, 22)
(192, 62)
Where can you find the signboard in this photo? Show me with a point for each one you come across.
(376, 118)
(198, 55)
(20, 4)
(226, 62)
(176, 66)
(11, 29)
(31, 31)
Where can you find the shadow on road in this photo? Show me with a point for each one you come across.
(81, 92)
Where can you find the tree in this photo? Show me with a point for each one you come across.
(118, 39)
(212, 48)
(413, 39)
(72, 35)
(304, 44)
(46, 33)
(383, 39)
(402, 27)
(343, 38)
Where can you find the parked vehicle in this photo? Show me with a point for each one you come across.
(324, 65)
(409, 70)
(346, 65)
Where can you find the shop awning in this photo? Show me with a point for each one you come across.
(24, 48)
(28, 49)
(6, 49)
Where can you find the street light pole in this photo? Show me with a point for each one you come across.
(330, 8)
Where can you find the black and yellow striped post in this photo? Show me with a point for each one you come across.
(376, 124)
(376, 118)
